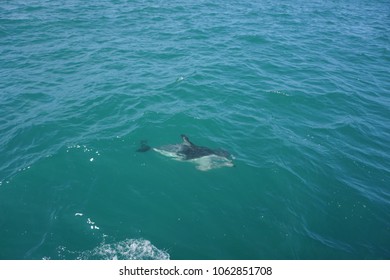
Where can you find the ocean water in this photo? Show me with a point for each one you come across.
(297, 91)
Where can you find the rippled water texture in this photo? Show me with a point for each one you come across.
(296, 91)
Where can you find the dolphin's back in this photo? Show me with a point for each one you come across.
(193, 151)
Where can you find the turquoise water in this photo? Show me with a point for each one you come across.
(296, 91)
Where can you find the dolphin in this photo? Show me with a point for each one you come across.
(204, 158)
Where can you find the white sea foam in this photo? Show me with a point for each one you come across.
(129, 249)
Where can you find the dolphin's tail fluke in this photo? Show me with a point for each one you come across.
(144, 147)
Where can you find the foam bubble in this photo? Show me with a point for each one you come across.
(84, 149)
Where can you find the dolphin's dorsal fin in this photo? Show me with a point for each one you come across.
(186, 140)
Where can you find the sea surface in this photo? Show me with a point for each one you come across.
(297, 91)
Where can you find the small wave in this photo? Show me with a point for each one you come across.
(129, 249)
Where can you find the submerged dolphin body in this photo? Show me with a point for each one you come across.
(204, 158)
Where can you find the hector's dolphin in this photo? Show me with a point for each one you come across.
(204, 158)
